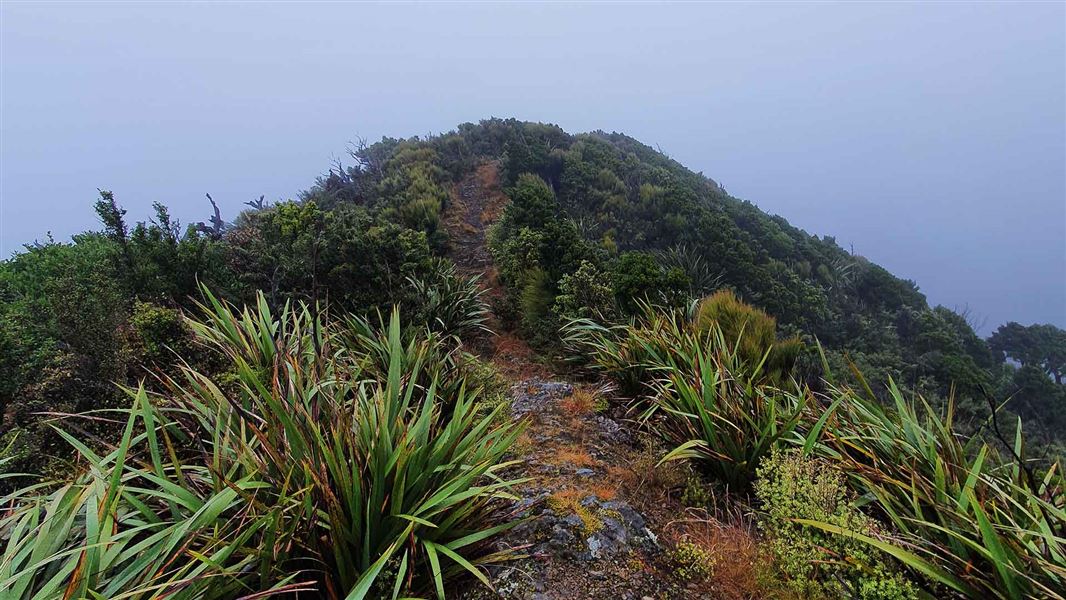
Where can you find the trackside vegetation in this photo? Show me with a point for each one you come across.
(305, 398)
(357, 469)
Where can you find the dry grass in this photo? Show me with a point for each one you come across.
(523, 445)
(604, 491)
(488, 175)
(575, 455)
(514, 358)
(582, 402)
(569, 501)
(648, 483)
(733, 546)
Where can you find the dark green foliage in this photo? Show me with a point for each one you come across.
(637, 277)
(586, 293)
(448, 303)
(80, 317)
(349, 256)
(1041, 346)
(1041, 403)
(64, 342)
(535, 302)
(702, 279)
(534, 247)
(160, 335)
(628, 197)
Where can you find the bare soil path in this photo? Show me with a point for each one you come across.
(590, 531)
(476, 203)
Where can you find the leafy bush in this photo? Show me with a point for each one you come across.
(302, 473)
(817, 563)
(638, 277)
(586, 293)
(693, 562)
(160, 333)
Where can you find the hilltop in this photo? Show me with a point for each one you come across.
(560, 365)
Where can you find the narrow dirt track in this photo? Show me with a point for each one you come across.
(582, 536)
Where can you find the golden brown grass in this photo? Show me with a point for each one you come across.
(733, 548)
(581, 402)
(604, 491)
(575, 455)
(569, 501)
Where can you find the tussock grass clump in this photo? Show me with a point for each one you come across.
(315, 464)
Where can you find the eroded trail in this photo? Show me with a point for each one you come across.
(476, 203)
(583, 535)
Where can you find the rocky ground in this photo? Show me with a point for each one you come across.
(581, 537)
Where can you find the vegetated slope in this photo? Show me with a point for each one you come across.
(548, 227)
(626, 221)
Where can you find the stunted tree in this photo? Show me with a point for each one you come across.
(1040, 346)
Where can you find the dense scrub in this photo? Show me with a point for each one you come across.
(861, 483)
(329, 456)
(597, 224)
(742, 337)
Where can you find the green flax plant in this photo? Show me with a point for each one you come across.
(718, 409)
(700, 390)
(297, 472)
(965, 517)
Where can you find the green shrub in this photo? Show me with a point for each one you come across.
(693, 562)
(586, 293)
(696, 493)
(161, 333)
(638, 277)
(751, 331)
(819, 564)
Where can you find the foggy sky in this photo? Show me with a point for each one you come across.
(931, 138)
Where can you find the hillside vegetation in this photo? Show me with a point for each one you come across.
(310, 400)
